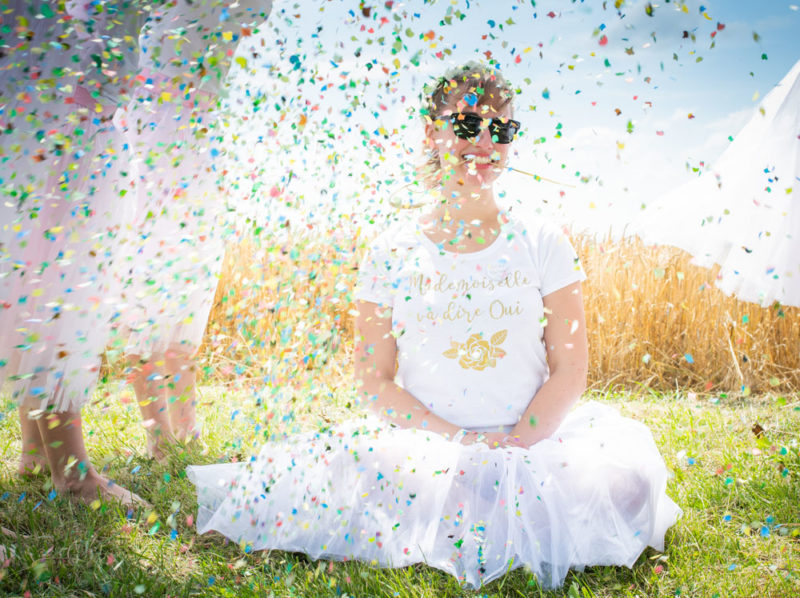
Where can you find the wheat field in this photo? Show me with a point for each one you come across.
(655, 321)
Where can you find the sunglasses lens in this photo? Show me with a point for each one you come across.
(503, 132)
(467, 125)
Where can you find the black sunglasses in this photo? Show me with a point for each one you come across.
(467, 125)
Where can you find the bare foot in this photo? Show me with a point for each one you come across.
(95, 486)
(160, 441)
(190, 436)
(31, 465)
(196, 443)
(161, 447)
(185, 451)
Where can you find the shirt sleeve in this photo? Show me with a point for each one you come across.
(558, 262)
(377, 273)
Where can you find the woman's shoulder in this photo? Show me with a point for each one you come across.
(534, 229)
(550, 249)
(394, 244)
(400, 235)
(382, 265)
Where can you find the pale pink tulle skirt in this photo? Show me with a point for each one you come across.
(57, 247)
(593, 494)
(175, 246)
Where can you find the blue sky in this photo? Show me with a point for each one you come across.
(617, 105)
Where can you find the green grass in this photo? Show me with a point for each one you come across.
(739, 535)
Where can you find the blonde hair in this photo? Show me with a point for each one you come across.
(472, 82)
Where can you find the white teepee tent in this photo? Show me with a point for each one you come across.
(745, 214)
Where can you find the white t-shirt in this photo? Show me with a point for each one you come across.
(469, 325)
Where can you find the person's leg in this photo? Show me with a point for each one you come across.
(33, 459)
(181, 394)
(72, 471)
(149, 383)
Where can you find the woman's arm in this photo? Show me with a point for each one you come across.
(568, 360)
(375, 362)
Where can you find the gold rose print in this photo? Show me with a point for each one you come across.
(477, 353)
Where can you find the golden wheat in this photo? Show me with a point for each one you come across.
(655, 320)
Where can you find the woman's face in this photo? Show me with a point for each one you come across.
(475, 161)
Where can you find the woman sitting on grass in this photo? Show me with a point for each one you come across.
(471, 350)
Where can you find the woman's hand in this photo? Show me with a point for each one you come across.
(523, 438)
(492, 439)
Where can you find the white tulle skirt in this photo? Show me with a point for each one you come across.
(175, 247)
(592, 494)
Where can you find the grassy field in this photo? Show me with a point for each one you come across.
(736, 466)
(715, 379)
